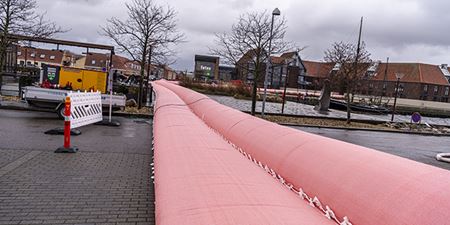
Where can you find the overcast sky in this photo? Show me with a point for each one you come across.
(404, 30)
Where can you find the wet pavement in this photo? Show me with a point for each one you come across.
(415, 147)
(106, 182)
(293, 108)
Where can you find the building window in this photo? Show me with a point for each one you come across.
(32, 55)
(19, 53)
(28, 63)
(425, 88)
(42, 56)
(447, 89)
(384, 86)
(93, 62)
(52, 57)
(36, 63)
(436, 90)
(22, 62)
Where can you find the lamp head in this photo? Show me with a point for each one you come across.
(276, 12)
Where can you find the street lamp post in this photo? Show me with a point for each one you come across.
(275, 12)
(285, 86)
(286, 79)
(398, 76)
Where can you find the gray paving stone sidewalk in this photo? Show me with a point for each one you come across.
(107, 182)
(293, 108)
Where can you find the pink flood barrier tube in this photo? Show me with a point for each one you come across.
(367, 186)
(200, 179)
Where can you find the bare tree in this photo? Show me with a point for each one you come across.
(250, 37)
(149, 30)
(351, 65)
(20, 17)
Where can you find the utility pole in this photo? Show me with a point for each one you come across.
(358, 50)
(383, 89)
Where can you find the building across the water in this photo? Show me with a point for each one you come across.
(206, 67)
(418, 80)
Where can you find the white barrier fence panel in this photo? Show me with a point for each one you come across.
(85, 109)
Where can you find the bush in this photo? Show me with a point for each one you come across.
(123, 89)
(25, 81)
(227, 89)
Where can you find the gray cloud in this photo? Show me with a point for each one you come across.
(404, 30)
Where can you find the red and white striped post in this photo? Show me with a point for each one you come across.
(66, 148)
(67, 123)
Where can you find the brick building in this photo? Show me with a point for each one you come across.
(29, 56)
(206, 67)
(419, 81)
(287, 67)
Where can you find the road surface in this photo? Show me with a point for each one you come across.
(106, 182)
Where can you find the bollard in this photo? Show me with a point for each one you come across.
(66, 148)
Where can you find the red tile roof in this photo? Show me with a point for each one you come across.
(413, 73)
(41, 55)
(96, 60)
(288, 55)
(99, 60)
(318, 69)
(277, 60)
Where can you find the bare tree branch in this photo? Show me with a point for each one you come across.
(20, 17)
(250, 37)
(148, 26)
(350, 68)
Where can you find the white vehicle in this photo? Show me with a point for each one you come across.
(54, 99)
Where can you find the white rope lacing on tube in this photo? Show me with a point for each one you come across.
(314, 201)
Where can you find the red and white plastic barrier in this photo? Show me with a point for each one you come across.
(80, 109)
(359, 185)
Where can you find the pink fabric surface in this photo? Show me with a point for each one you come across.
(367, 186)
(201, 179)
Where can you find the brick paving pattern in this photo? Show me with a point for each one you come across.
(89, 187)
(83, 188)
(10, 156)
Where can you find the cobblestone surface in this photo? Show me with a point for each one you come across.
(9, 156)
(293, 108)
(104, 183)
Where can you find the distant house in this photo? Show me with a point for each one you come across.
(227, 73)
(419, 81)
(168, 73)
(206, 67)
(100, 62)
(287, 68)
(316, 73)
(29, 56)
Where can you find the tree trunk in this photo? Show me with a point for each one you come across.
(254, 94)
(142, 72)
(3, 45)
(1, 69)
(348, 106)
